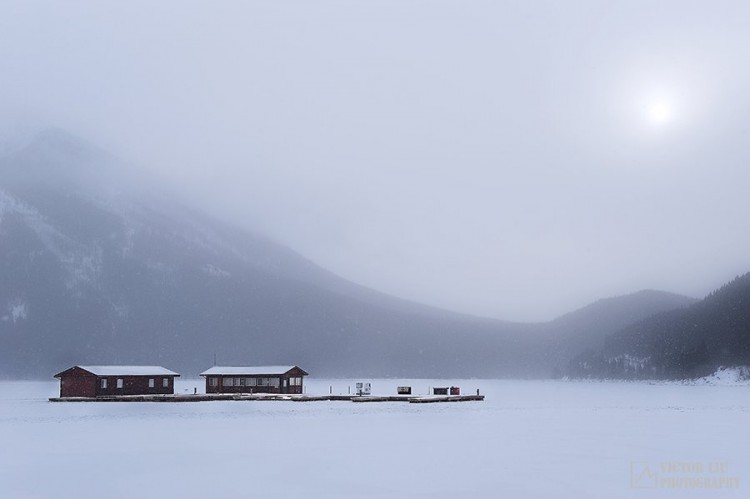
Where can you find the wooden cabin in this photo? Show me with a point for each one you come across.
(98, 381)
(259, 379)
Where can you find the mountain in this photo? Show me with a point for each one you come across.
(682, 343)
(99, 267)
(586, 328)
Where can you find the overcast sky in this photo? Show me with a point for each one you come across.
(510, 159)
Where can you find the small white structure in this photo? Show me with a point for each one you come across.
(362, 388)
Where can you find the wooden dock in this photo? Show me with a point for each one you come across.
(447, 398)
(272, 397)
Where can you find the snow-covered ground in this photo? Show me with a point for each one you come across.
(528, 439)
(730, 376)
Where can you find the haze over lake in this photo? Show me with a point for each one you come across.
(541, 205)
(509, 160)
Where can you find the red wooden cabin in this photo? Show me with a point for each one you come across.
(97, 381)
(260, 379)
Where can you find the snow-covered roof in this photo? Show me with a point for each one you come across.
(250, 371)
(128, 370)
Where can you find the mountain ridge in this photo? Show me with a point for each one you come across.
(102, 273)
(682, 343)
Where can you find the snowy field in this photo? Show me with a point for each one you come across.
(528, 439)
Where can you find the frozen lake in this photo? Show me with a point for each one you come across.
(528, 439)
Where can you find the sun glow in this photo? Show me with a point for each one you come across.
(655, 103)
(659, 113)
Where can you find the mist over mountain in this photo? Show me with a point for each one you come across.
(99, 266)
(678, 344)
(587, 328)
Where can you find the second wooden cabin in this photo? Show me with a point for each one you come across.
(254, 379)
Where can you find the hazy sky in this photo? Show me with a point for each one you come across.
(509, 159)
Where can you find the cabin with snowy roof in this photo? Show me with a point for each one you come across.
(98, 381)
(258, 379)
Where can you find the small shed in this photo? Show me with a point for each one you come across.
(98, 381)
(256, 379)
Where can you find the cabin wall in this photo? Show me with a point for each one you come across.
(135, 385)
(283, 385)
(82, 385)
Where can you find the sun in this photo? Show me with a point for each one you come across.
(659, 112)
(658, 102)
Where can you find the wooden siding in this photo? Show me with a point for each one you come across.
(135, 385)
(77, 382)
(283, 384)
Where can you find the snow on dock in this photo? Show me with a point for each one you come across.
(270, 397)
(446, 398)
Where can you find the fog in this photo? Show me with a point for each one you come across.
(508, 159)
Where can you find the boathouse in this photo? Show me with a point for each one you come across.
(259, 379)
(98, 381)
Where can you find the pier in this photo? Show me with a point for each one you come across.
(208, 397)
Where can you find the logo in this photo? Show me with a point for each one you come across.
(643, 477)
(682, 475)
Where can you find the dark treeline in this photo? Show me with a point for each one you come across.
(678, 344)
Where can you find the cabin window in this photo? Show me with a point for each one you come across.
(295, 381)
(240, 381)
(250, 382)
(151, 382)
(104, 383)
(165, 382)
(228, 381)
(119, 382)
(274, 382)
(213, 382)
